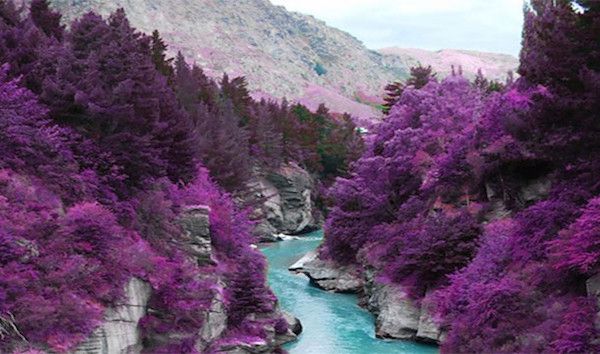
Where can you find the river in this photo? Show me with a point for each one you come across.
(332, 323)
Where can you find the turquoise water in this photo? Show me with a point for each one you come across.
(333, 323)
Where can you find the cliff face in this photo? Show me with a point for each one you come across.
(287, 202)
(282, 53)
(120, 332)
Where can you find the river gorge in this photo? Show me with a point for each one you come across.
(332, 323)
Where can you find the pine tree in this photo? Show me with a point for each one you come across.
(159, 56)
(550, 35)
(236, 91)
(108, 88)
(393, 92)
(419, 77)
(223, 145)
(46, 19)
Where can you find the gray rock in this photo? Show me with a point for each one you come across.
(294, 323)
(214, 324)
(295, 188)
(428, 330)
(119, 334)
(287, 206)
(536, 189)
(593, 290)
(329, 276)
(298, 265)
(195, 222)
(396, 315)
(273, 340)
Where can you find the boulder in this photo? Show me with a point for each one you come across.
(298, 265)
(396, 315)
(294, 323)
(119, 334)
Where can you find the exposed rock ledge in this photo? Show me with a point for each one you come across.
(327, 275)
(120, 332)
(397, 316)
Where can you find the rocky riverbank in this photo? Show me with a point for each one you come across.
(396, 315)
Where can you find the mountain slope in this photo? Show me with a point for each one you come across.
(282, 53)
(493, 65)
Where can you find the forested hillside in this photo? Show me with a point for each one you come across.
(480, 203)
(119, 164)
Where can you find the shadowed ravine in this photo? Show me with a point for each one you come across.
(332, 323)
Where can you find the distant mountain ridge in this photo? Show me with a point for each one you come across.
(493, 65)
(282, 53)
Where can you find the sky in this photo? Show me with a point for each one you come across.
(483, 25)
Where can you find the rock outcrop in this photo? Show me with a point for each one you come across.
(215, 323)
(593, 291)
(329, 276)
(287, 206)
(396, 315)
(273, 341)
(196, 227)
(294, 323)
(120, 334)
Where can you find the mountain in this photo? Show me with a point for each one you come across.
(493, 65)
(282, 53)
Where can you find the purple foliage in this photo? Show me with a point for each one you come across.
(520, 164)
(578, 246)
(92, 185)
(409, 152)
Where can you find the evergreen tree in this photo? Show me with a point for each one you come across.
(46, 19)
(108, 88)
(9, 14)
(393, 92)
(223, 145)
(550, 36)
(159, 56)
(419, 77)
(236, 91)
(20, 42)
(266, 139)
(485, 85)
